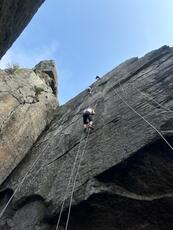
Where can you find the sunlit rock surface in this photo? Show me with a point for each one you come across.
(27, 105)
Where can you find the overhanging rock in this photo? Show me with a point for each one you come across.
(14, 17)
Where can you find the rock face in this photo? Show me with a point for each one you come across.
(47, 71)
(14, 17)
(26, 108)
(125, 176)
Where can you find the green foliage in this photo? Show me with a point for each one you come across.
(12, 68)
(38, 90)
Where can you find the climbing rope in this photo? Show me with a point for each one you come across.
(148, 96)
(20, 184)
(144, 119)
(71, 175)
(74, 184)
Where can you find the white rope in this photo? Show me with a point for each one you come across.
(74, 184)
(144, 119)
(20, 184)
(71, 175)
(144, 94)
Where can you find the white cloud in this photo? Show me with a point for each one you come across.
(29, 58)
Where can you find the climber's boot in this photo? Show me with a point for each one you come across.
(85, 130)
(91, 127)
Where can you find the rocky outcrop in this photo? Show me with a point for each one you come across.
(47, 71)
(26, 108)
(14, 17)
(126, 169)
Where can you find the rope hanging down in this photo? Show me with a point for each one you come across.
(71, 197)
(71, 175)
(20, 184)
(148, 96)
(152, 126)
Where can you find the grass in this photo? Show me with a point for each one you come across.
(38, 90)
(13, 68)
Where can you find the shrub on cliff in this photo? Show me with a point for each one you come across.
(12, 68)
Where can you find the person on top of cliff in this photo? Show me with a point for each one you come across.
(98, 78)
(88, 118)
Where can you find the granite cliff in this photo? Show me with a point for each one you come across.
(126, 167)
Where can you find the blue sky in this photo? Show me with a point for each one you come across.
(90, 37)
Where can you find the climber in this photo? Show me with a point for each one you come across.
(89, 89)
(88, 118)
(97, 78)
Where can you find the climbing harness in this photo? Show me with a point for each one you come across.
(152, 126)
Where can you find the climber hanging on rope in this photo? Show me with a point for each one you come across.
(88, 118)
(98, 78)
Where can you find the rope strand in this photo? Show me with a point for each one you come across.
(20, 184)
(71, 175)
(144, 120)
(74, 184)
(148, 96)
